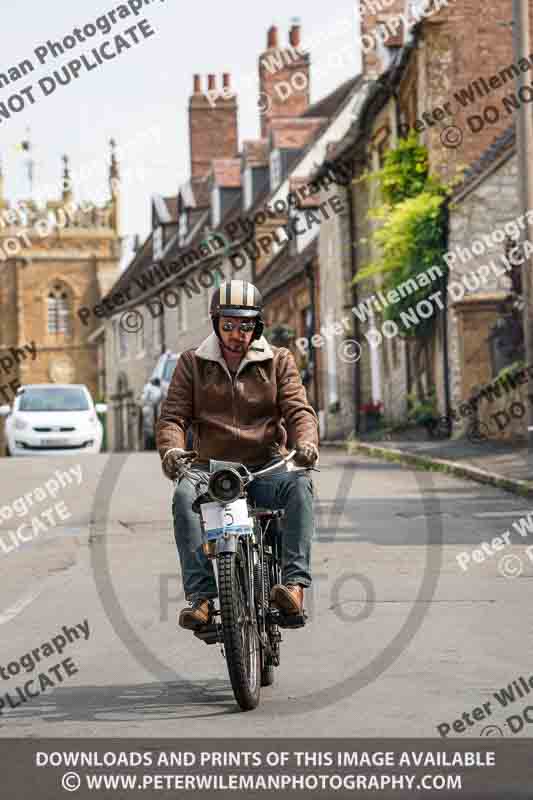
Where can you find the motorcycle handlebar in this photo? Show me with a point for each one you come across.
(285, 460)
(192, 455)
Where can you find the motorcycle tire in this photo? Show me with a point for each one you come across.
(241, 644)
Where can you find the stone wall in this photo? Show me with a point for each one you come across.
(337, 322)
(486, 207)
(501, 414)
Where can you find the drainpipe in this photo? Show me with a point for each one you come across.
(407, 353)
(445, 346)
(524, 148)
(355, 300)
(309, 273)
(162, 333)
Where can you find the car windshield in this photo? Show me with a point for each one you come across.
(54, 399)
(169, 369)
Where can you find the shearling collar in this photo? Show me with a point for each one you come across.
(209, 350)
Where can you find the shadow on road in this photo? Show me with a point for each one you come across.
(145, 701)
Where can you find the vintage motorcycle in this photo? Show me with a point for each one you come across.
(245, 545)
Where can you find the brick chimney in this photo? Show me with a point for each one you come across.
(212, 123)
(284, 78)
(380, 22)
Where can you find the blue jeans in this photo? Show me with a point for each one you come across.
(292, 491)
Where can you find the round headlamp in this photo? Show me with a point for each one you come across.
(225, 485)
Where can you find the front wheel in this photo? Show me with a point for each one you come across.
(241, 644)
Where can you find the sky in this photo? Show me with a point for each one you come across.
(140, 98)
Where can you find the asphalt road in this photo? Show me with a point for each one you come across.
(400, 638)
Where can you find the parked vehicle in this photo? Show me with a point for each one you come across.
(245, 542)
(154, 392)
(49, 418)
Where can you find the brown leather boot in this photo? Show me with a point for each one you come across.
(289, 599)
(199, 614)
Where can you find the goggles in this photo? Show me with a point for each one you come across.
(244, 327)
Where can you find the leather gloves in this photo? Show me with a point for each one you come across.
(306, 454)
(173, 461)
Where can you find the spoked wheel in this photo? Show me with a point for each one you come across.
(241, 642)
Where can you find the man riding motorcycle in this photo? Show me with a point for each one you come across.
(245, 402)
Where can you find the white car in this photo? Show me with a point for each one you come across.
(50, 418)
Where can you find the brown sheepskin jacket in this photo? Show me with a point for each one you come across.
(249, 419)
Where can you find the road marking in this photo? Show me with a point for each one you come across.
(13, 611)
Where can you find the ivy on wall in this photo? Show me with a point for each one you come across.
(412, 236)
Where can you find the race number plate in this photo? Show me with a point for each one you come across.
(231, 518)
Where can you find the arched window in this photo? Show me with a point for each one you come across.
(58, 310)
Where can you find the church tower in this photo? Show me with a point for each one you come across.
(54, 259)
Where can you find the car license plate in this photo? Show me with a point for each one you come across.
(232, 518)
(54, 442)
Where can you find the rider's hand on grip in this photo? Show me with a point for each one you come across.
(306, 454)
(176, 460)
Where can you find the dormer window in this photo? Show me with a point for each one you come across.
(414, 10)
(383, 52)
(215, 207)
(157, 243)
(183, 227)
(248, 188)
(275, 169)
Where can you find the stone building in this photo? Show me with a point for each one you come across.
(55, 260)
(484, 219)
(425, 78)
(293, 279)
(222, 213)
(166, 318)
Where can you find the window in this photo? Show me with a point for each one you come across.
(382, 51)
(156, 335)
(181, 309)
(215, 207)
(395, 353)
(183, 227)
(168, 371)
(122, 342)
(54, 399)
(140, 340)
(275, 169)
(58, 310)
(157, 243)
(414, 11)
(248, 188)
(216, 285)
